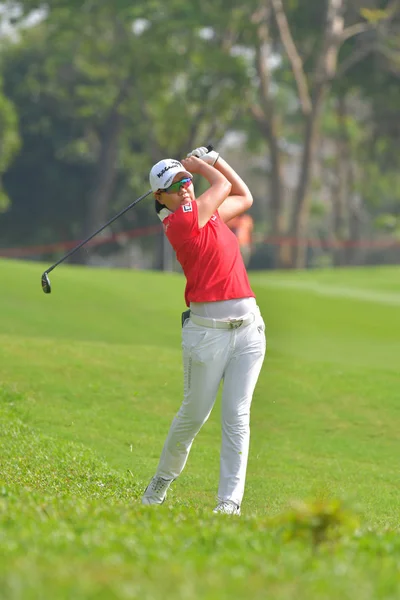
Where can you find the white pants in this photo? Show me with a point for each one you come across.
(210, 356)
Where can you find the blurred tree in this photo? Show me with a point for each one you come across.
(366, 132)
(321, 30)
(104, 90)
(9, 141)
(129, 84)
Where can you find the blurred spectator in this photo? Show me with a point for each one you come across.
(242, 226)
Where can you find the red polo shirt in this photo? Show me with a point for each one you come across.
(210, 256)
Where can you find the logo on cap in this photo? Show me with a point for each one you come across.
(165, 169)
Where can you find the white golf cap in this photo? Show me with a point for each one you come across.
(163, 173)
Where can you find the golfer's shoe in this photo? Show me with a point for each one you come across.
(227, 508)
(156, 491)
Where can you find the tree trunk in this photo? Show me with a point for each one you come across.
(301, 205)
(325, 71)
(104, 177)
(341, 190)
(105, 172)
(100, 194)
(355, 219)
(265, 115)
(276, 187)
(276, 190)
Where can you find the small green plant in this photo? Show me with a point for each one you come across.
(317, 521)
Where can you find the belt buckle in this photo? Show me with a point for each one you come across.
(234, 324)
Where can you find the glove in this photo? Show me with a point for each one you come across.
(202, 153)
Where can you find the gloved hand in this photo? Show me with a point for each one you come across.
(202, 153)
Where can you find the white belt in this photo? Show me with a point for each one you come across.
(229, 324)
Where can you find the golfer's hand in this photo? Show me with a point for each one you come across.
(209, 157)
(195, 165)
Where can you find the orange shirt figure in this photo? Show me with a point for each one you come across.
(242, 226)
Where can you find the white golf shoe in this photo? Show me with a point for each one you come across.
(227, 507)
(156, 491)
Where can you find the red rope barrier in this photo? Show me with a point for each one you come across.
(153, 229)
(65, 246)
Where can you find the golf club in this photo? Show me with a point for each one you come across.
(46, 285)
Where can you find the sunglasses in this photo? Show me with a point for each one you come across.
(175, 187)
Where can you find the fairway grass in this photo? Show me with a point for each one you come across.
(90, 379)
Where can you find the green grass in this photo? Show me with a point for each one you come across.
(90, 378)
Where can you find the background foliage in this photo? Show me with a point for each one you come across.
(304, 99)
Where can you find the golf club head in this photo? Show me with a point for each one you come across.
(46, 286)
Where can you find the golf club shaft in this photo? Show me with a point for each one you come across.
(96, 232)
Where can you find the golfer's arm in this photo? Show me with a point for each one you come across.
(240, 199)
(209, 202)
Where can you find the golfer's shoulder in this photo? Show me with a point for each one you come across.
(183, 222)
(184, 214)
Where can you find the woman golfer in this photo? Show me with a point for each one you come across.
(223, 334)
